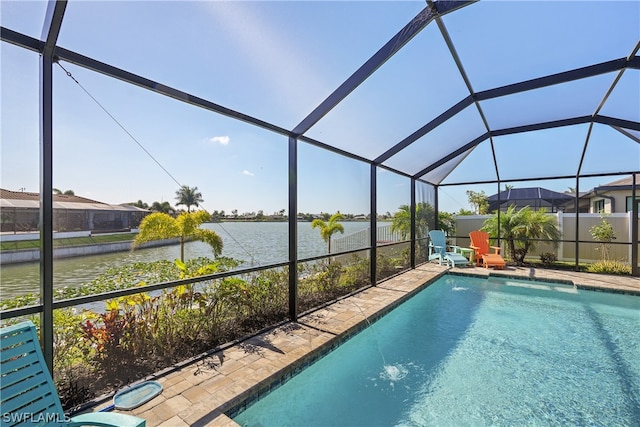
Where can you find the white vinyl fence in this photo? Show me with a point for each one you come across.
(566, 251)
(361, 239)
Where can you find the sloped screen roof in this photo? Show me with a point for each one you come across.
(535, 197)
(498, 89)
(447, 92)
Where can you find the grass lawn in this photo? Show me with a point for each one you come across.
(72, 241)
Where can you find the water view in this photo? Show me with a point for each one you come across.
(253, 243)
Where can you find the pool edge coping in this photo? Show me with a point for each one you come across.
(238, 404)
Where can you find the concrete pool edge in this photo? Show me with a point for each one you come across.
(618, 284)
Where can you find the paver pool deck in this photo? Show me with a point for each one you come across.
(199, 393)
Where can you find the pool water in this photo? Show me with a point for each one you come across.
(468, 351)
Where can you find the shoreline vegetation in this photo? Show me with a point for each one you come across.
(100, 350)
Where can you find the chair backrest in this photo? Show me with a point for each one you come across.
(27, 392)
(480, 239)
(439, 241)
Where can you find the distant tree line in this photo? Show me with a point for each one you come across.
(187, 196)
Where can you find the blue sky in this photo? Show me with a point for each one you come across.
(277, 61)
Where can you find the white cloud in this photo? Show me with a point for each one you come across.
(247, 173)
(222, 140)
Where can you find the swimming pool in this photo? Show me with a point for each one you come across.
(475, 351)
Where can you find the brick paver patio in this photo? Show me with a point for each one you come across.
(199, 393)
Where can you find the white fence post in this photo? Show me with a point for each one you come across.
(561, 229)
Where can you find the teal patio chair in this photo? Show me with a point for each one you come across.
(438, 250)
(28, 396)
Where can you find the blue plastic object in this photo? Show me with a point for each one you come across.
(29, 395)
(132, 397)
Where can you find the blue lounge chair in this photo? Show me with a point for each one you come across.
(438, 250)
(28, 396)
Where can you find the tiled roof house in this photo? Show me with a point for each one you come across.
(20, 211)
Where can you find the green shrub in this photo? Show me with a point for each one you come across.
(548, 258)
(355, 274)
(605, 234)
(609, 267)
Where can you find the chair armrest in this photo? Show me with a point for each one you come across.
(455, 248)
(496, 249)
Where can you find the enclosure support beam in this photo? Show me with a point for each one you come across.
(293, 229)
(413, 223)
(409, 31)
(50, 32)
(373, 227)
(436, 209)
(498, 217)
(577, 266)
(635, 207)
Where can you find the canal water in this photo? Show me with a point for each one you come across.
(253, 243)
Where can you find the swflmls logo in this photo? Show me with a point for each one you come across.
(38, 418)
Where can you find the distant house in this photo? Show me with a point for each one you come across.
(614, 197)
(20, 211)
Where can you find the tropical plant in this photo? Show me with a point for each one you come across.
(401, 221)
(163, 207)
(160, 226)
(521, 228)
(329, 228)
(188, 196)
(604, 234)
(425, 220)
(447, 223)
(478, 201)
(609, 267)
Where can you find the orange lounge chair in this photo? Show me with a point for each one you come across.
(493, 260)
(480, 244)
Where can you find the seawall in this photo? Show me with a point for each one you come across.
(32, 255)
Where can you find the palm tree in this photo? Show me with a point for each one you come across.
(160, 226)
(521, 229)
(188, 196)
(425, 219)
(164, 207)
(478, 201)
(328, 229)
(401, 221)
